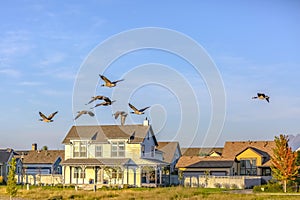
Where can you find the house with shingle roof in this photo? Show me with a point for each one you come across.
(5, 157)
(171, 153)
(238, 158)
(198, 151)
(40, 166)
(113, 154)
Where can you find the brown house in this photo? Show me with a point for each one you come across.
(238, 158)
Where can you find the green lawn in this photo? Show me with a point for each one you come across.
(141, 193)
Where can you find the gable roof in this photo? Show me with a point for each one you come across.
(169, 150)
(203, 162)
(5, 155)
(197, 151)
(231, 149)
(102, 133)
(185, 161)
(43, 156)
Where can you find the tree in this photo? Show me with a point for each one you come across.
(11, 188)
(44, 148)
(283, 166)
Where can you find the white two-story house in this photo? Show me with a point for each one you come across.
(113, 154)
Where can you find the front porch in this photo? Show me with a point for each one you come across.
(113, 173)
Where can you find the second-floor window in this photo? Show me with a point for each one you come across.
(143, 150)
(98, 151)
(79, 149)
(152, 151)
(118, 149)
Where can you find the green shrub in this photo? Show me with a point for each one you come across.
(270, 187)
(217, 185)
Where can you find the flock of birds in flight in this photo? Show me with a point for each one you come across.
(105, 102)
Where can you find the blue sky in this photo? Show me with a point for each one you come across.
(44, 46)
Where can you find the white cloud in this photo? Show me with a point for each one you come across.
(30, 83)
(10, 72)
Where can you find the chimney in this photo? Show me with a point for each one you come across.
(146, 122)
(34, 147)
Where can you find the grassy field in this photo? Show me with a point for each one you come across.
(141, 193)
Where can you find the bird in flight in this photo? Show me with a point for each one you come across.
(96, 98)
(47, 119)
(136, 111)
(106, 102)
(122, 115)
(109, 83)
(83, 112)
(262, 96)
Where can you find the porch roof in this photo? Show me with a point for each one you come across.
(95, 161)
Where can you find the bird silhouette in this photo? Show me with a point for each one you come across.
(106, 102)
(109, 83)
(47, 119)
(96, 98)
(262, 96)
(137, 111)
(122, 115)
(83, 112)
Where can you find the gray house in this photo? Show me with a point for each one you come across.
(5, 157)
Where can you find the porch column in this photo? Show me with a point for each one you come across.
(95, 175)
(64, 177)
(70, 174)
(160, 176)
(155, 170)
(127, 175)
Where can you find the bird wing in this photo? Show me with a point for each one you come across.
(141, 110)
(91, 113)
(52, 115)
(132, 107)
(118, 81)
(267, 98)
(107, 99)
(116, 114)
(42, 115)
(79, 114)
(105, 79)
(261, 95)
(123, 118)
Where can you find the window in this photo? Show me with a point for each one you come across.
(143, 150)
(98, 151)
(118, 149)
(76, 173)
(79, 149)
(79, 173)
(152, 151)
(248, 167)
(266, 172)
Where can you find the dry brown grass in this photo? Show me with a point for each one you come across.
(170, 193)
